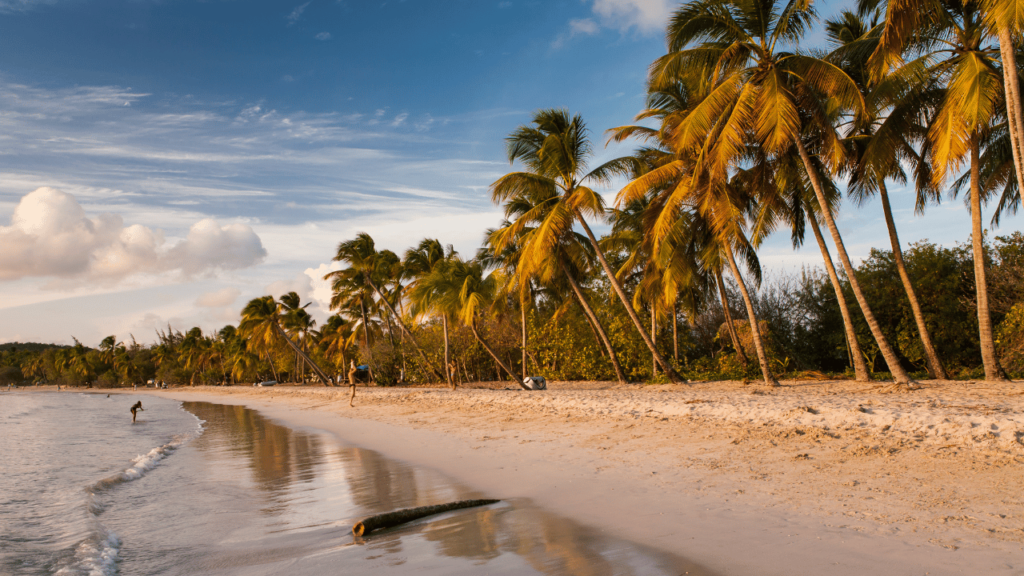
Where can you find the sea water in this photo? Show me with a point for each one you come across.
(199, 488)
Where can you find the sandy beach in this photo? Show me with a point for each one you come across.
(813, 477)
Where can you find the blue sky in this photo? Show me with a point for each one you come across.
(196, 154)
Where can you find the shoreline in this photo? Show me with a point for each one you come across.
(810, 478)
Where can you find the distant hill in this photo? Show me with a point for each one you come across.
(29, 346)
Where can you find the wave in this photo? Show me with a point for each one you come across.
(97, 554)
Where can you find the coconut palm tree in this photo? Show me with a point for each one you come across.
(881, 140)
(261, 324)
(554, 151)
(363, 260)
(418, 263)
(753, 92)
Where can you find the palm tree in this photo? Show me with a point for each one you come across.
(419, 262)
(363, 259)
(880, 143)
(261, 324)
(461, 289)
(957, 44)
(752, 92)
(555, 151)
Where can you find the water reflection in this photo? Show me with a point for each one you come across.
(308, 481)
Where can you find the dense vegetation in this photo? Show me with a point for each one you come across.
(744, 136)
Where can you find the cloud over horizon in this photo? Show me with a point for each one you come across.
(51, 235)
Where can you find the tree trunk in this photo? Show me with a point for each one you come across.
(593, 319)
(993, 371)
(312, 365)
(401, 325)
(899, 374)
(273, 369)
(675, 333)
(1013, 105)
(597, 337)
(654, 338)
(669, 371)
(755, 329)
(934, 365)
(741, 355)
(522, 314)
(472, 326)
(366, 324)
(860, 367)
(447, 356)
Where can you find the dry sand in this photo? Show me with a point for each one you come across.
(811, 478)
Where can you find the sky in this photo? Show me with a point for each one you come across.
(162, 162)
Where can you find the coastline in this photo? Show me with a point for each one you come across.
(830, 477)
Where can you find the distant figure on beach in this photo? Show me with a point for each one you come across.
(352, 382)
(453, 372)
(58, 387)
(137, 407)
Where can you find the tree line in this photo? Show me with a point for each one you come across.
(743, 135)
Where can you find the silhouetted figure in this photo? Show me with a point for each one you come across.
(137, 407)
(352, 381)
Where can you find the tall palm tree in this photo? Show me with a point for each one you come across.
(554, 151)
(362, 257)
(419, 262)
(753, 92)
(261, 324)
(882, 139)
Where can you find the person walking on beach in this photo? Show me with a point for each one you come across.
(137, 407)
(352, 382)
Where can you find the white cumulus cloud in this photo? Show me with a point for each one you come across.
(645, 15)
(51, 235)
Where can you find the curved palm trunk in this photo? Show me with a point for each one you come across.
(522, 314)
(447, 355)
(993, 371)
(755, 329)
(273, 369)
(860, 367)
(594, 321)
(312, 365)
(472, 326)
(935, 368)
(654, 338)
(675, 333)
(597, 337)
(899, 374)
(1013, 105)
(669, 371)
(741, 355)
(366, 325)
(405, 330)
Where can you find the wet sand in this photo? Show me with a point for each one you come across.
(810, 478)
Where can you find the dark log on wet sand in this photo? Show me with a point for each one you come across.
(397, 517)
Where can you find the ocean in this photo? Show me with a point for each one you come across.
(199, 488)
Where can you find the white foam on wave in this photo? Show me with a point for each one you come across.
(96, 556)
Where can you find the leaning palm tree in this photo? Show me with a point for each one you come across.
(418, 264)
(554, 151)
(881, 140)
(261, 324)
(363, 260)
(750, 91)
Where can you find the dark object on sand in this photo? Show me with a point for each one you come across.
(392, 519)
(136, 407)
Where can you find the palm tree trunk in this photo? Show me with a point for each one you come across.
(993, 371)
(675, 333)
(447, 356)
(593, 319)
(312, 365)
(654, 338)
(755, 329)
(1013, 105)
(472, 326)
(741, 355)
(935, 368)
(366, 324)
(669, 371)
(860, 367)
(522, 314)
(597, 337)
(899, 374)
(273, 369)
(405, 330)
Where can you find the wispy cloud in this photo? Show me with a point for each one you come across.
(323, 36)
(645, 16)
(296, 14)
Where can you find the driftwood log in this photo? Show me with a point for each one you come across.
(397, 517)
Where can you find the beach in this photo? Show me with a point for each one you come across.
(813, 477)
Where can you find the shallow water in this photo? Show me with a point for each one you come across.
(90, 493)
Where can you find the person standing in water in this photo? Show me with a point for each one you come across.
(137, 407)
